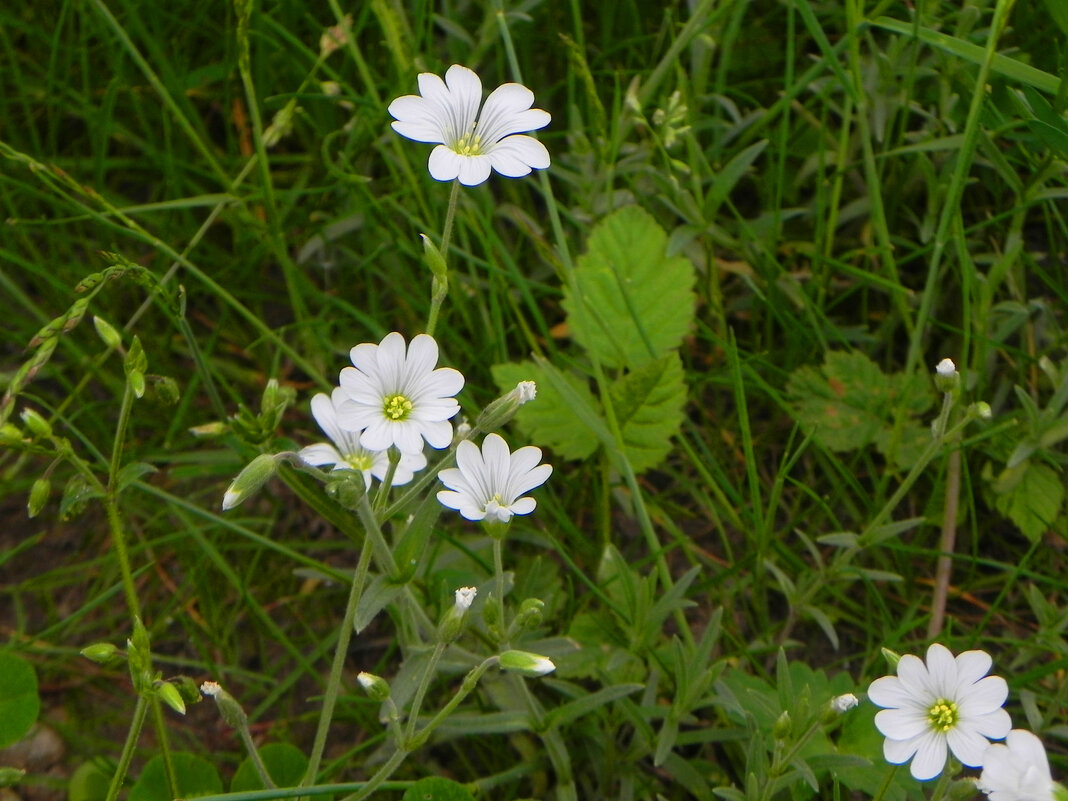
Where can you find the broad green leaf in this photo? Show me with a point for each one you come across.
(636, 302)
(435, 788)
(88, 783)
(19, 703)
(548, 420)
(195, 776)
(849, 403)
(649, 405)
(285, 764)
(1031, 496)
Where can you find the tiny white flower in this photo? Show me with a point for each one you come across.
(465, 596)
(210, 688)
(488, 483)
(1017, 770)
(843, 703)
(527, 391)
(344, 450)
(469, 144)
(947, 702)
(397, 397)
(946, 368)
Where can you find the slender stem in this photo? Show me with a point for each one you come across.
(450, 216)
(498, 572)
(440, 283)
(111, 503)
(420, 691)
(946, 545)
(333, 682)
(140, 711)
(257, 760)
(163, 743)
(886, 784)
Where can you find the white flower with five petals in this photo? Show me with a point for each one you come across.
(1017, 770)
(946, 703)
(344, 450)
(397, 397)
(487, 484)
(470, 143)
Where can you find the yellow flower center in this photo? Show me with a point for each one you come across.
(470, 144)
(359, 461)
(943, 715)
(397, 407)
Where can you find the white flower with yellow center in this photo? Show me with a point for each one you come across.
(469, 144)
(946, 703)
(395, 396)
(487, 484)
(344, 450)
(1017, 770)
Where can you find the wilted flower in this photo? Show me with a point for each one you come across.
(344, 451)
(396, 397)
(469, 144)
(487, 484)
(947, 702)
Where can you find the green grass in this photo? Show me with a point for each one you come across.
(855, 178)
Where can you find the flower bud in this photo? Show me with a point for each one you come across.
(843, 703)
(249, 480)
(891, 657)
(9, 777)
(529, 614)
(38, 426)
(525, 663)
(781, 728)
(452, 622)
(434, 258)
(504, 408)
(981, 409)
(376, 687)
(107, 332)
(169, 695)
(100, 652)
(229, 708)
(10, 435)
(947, 379)
(39, 493)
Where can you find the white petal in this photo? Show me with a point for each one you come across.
(916, 679)
(1029, 748)
(901, 724)
(320, 454)
(465, 88)
(444, 164)
(438, 435)
(889, 692)
(507, 111)
(515, 156)
(995, 724)
(898, 752)
(967, 745)
(930, 757)
(474, 170)
(972, 666)
(416, 119)
(377, 436)
(942, 668)
(984, 696)
(524, 506)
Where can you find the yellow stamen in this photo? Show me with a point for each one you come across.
(397, 407)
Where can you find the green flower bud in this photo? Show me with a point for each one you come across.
(100, 652)
(11, 435)
(188, 688)
(452, 622)
(249, 480)
(947, 379)
(526, 663)
(434, 259)
(169, 695)
(104, 329)
(38, 426)
(214, 429)
(529, 614)
(781, 728)
(503, 409)
(229, 708)
(376, 687)
(39, 493)
(891, 657)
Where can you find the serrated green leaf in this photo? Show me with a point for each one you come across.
(649, 406)
(1031, 496)
(285, 764)
(549, 420)
(195, 776)
(636, 303)
(19, 702)
(435, 788)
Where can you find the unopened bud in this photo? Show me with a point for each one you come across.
(10, 435)
(9, 777)
(891, 657)
(452, 622)
(254, 476)
(100, 652)
(38, 426)
(107, 332)
(529, 613)
(526, 663)
(434, 259)
(213, 429)
(843, 703)
(39, 493)
(376, 687)
(981, 409)
(780, 729)
(504, 408)
(229, 708)
(947, 379)
(169, 695)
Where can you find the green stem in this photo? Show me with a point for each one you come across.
(111, 503)
(257, 760)
(140, 711)
(498, 573)
(420, 691)
(440, 284)
(333, 682)
(163, 743)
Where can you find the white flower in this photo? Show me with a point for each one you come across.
(946, 368)
(469, 143)
(397, 397)
(945, 702)
(1017, 770)
(487, 484)
(465, 596)
(526, 391)
(345, 451)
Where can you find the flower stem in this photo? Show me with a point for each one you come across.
(420, 691)
(498, 572)
(333, 682)
(440, 284)
(140, 711)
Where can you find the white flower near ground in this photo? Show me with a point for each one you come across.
(395, 396)
(487, 484)
(1017, 770)
(946, 703)
(344, 450)
(470, 144)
